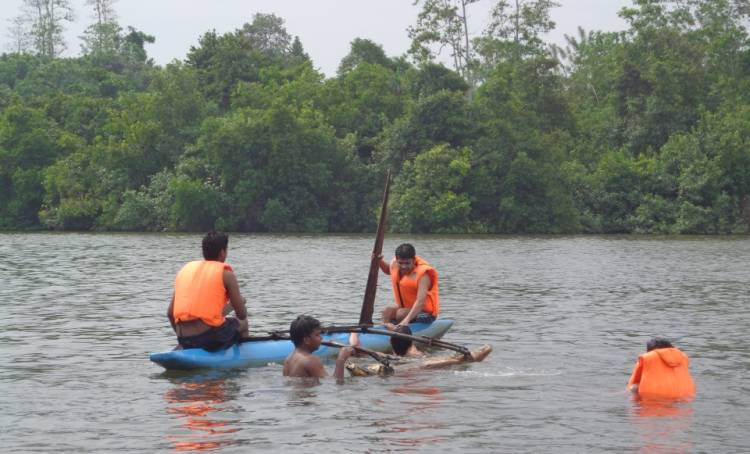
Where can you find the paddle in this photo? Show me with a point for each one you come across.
(368, 304)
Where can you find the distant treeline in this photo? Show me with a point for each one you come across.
(644, 131)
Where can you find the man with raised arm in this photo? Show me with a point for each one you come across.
(205, 291)
(415, 289)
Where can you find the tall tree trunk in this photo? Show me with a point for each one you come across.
(50, 27)
(99, 12)
(517, 38)
(468, 75)
(42, 29)
(19, 33)
(47, 28)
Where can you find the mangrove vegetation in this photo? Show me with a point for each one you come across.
(645, 130)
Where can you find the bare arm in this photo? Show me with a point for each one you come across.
(422, 288)
(635, 377)
(170, 313)
(344, 354)
(314, 367)
(384, 267)
(235, 298)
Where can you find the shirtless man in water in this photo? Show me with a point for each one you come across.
(305, 334)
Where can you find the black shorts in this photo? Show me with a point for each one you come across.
(423, 317)
(214, 339)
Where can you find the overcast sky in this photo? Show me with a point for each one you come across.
(325, 27)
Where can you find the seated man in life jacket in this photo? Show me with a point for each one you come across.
(205, 291)
(415, 289)
(662, 372)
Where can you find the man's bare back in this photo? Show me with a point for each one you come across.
(303, 364)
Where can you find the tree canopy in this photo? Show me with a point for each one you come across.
(641, 131)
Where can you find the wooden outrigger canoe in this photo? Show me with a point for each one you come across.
(258, 353)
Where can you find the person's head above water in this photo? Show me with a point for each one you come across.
(658, 342)
(302, 327)
(401, 346)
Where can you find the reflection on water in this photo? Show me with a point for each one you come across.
(303, 392)
(662, 425)
(659, 408)
(201, 404)
(414, 426)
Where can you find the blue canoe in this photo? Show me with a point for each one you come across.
(261, 353)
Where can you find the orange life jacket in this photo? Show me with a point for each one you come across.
(406, 286)
(199, 292)
(663, 373)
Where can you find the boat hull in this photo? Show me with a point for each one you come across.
(261, 353)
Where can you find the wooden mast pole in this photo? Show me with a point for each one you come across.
(368, 304)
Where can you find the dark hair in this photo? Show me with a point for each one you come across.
(213, 243)
(302, 327)
(401, 346)
(657, 342)
(405, 251)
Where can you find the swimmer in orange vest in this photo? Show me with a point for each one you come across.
(662, 372)
(415, 289)
(205, 292)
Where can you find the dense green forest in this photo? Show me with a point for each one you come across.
(644, 131)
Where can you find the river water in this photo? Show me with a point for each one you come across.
(567, 317)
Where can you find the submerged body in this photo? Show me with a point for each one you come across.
(662, 373)
(305, 332)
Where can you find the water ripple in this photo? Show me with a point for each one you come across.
(567, 316)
